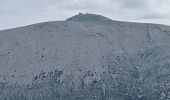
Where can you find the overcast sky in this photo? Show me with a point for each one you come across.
(16, 13)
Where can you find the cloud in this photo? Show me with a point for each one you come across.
(134, 4)
(14, 13)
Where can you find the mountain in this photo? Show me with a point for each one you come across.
(86, 57)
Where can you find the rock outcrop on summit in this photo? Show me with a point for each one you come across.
(88, 17)
(86, 57)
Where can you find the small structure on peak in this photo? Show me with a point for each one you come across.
(80, 13)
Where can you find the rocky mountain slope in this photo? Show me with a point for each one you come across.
(86, 57)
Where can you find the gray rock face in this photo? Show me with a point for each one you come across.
(87, 57)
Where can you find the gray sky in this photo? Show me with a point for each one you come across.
(15, 13)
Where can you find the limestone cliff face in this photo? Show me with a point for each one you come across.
(87, 57)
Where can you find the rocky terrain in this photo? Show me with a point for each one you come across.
(86, 57)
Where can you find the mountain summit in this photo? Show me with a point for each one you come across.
(88, 17)
(86, 57)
